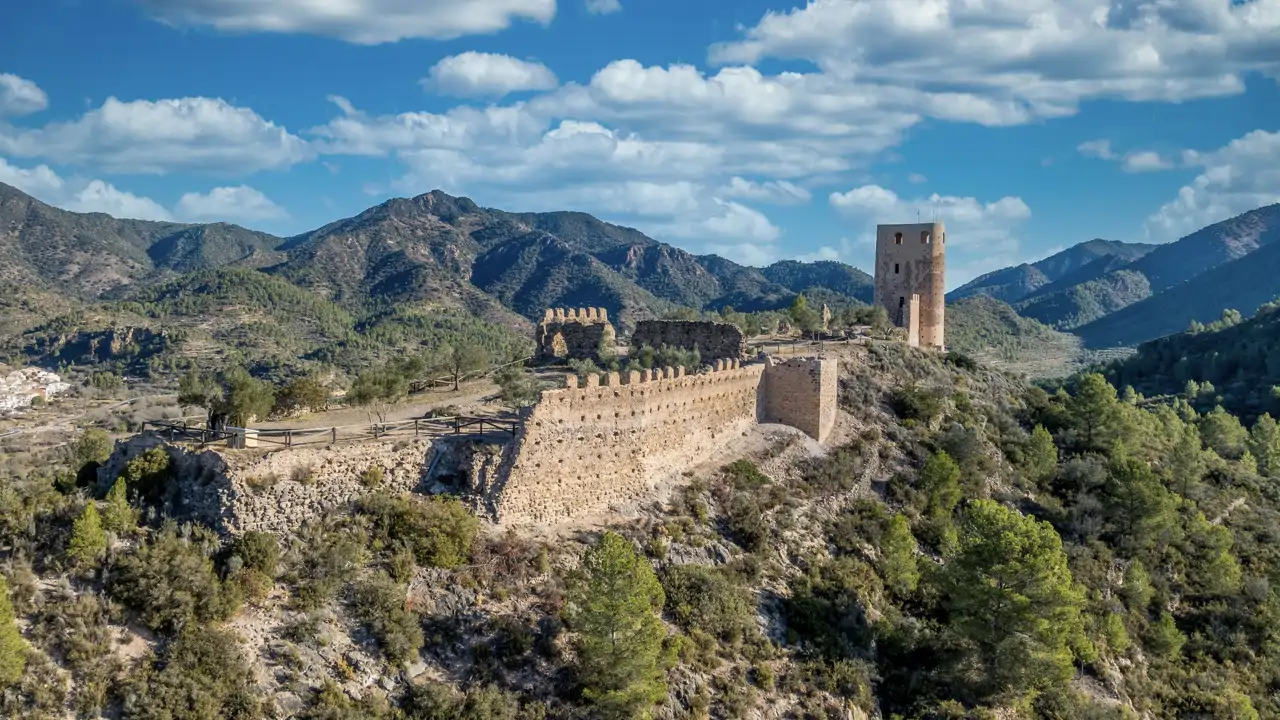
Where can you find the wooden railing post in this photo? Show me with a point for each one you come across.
(333, 434)
(415, 427)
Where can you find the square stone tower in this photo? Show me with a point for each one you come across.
(911, 280)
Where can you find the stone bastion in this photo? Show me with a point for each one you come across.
(579, 450)
(574, 333)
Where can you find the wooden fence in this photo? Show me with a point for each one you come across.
(289, 437)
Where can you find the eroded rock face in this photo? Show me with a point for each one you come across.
(712, 340)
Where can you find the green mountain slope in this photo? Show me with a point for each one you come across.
(1079, 304)
(992, 331)
(826, 274)
(1240, 362)
(1244, 283)
(1016, 283)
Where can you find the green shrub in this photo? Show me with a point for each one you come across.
(379, 603)
(710, 600)
(201, 676)
(170, 581)
(325, 559)
(258, 551)
(13, 649)
(439, 530)
(372, 476)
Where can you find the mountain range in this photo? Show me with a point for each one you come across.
(396, 273)
(1116, 294)
(410, 269)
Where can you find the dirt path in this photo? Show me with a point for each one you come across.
(468, 398)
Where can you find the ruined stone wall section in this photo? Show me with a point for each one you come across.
(582, 449)
(278, 490)
(713, 340)
(801, 392)
(574, 333)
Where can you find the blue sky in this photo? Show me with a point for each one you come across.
(759, 130)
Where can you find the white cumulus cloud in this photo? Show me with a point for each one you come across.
(1045, 56)
(1144, 161)
(477, 74)
(79, 195)
(980, 236)
(19, 96)
(196, 134)
(603, 7)
(1238, 177)
(366, 22)
(240, 204)
(777, 192)
(1100, 149)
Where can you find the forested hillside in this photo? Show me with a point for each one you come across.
(1230, 362)
(976, 548)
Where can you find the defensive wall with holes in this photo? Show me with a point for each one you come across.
(612, 439)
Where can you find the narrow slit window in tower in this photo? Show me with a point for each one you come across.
(895, 268)
(924, 237)
(897, 238)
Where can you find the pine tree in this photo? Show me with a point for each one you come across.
(88, 539)
(1011, 597)
(13, 649)
(1264, 443)
(898, 557)
(1040, 461)
(613, 606)
(1186, 463)
(119, 516)
(1093, 409)
(940, 480)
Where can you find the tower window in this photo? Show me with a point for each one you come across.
(901, 301)
(942, 238)
(897, 238)
(895, 268)
(924, 237)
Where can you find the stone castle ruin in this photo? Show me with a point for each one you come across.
(574, 334)
(578, 451)
(712, 340)
(911, 280)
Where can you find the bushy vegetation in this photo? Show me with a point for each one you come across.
(1231, 362)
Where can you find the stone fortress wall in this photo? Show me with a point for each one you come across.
(911, 280)
(574, 333)
(582, 449)
(802, 393)
(713, 340)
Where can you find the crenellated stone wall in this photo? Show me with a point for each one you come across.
(574, 333)
(713, 340)
(582, 449)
